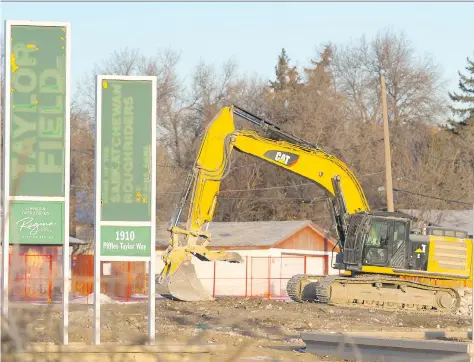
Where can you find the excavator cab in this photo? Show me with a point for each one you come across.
(378, 239)
(385, 243)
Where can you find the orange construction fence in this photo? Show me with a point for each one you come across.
(32, 277)
(37, 277)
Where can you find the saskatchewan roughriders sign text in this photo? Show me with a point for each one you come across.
(126, 151)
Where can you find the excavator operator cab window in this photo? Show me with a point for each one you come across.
(399, 247)
(376, 243)
(399, 236)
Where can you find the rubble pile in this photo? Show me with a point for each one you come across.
(89, 299)
(465, 308)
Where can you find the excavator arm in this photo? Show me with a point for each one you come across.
(178, 279)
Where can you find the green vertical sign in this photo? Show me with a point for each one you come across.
(126, 114)
(36, 140)
(126, 150)
(37, 110)
(125, 182)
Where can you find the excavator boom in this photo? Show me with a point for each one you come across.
(178, 279)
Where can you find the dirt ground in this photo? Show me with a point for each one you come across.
(253, 329)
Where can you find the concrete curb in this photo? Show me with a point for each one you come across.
(357, 347)
(428, 334)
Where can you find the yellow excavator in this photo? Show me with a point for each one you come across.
(383, 261)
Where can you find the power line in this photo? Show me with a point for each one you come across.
(371, 174)
(92, 189)
(172, 166)
(289, 186)
(363, 144)
(427, 185)
(269, 188)
(241, 190)
(303, 200)
(430, 155)
(431, 197)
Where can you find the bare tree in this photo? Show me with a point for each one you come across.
(333, 103)
(414, 85)
(82, 162)
(122, 62)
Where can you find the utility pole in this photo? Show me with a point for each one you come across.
(388, 159)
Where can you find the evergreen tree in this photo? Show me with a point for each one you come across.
(319, 76)
(286, 76)
(282, 93)
(466, 98)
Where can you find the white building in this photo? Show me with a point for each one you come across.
(273, 251)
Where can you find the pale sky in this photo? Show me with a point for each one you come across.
(251, 33)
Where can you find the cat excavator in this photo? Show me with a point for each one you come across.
(382, 262)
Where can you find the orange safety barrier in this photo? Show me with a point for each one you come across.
(119, 280)
(38, 277)
(32, 277)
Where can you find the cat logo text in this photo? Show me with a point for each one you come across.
(285, 158)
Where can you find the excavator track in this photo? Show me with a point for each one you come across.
(374, 291)
(301, 287)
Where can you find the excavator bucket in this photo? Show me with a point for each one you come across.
(178, 279)
(183, 285)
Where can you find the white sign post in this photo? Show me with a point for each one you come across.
(125, 185)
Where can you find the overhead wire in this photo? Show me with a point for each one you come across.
(279, 187)
(305, 200)
(363, 144)
(431, 154)
(372, 174)
(427, 185)
(432, 197)
(241, 190)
